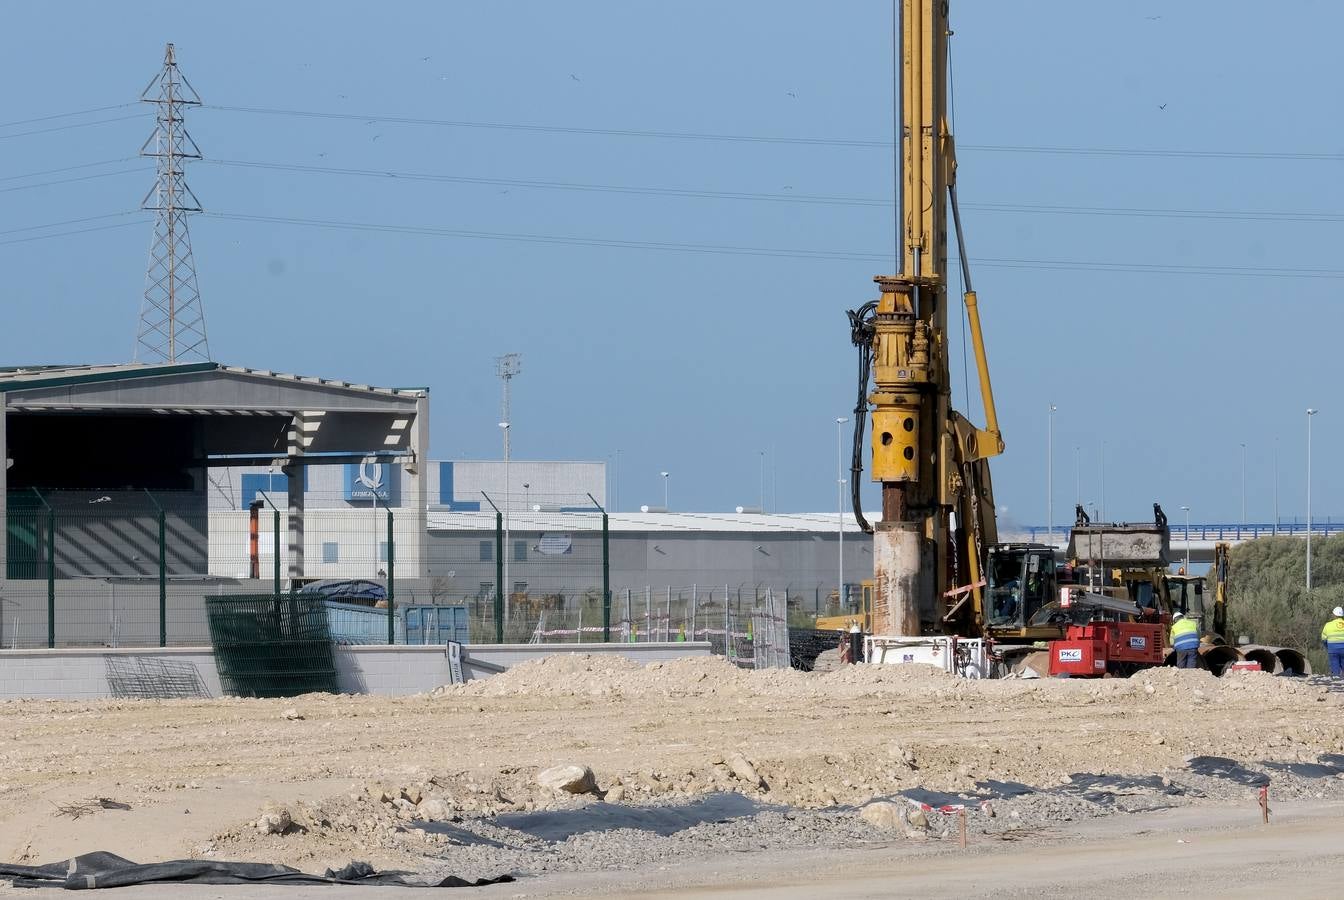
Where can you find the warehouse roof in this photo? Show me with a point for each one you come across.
(45, 376)
(739, 523)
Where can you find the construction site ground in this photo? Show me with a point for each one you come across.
(713, 777)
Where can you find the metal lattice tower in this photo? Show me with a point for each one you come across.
(506, 367)
(172, 318)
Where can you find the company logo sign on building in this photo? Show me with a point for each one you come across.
(370, 480)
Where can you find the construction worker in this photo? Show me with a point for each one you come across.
(1332, 638)
(1185, 639)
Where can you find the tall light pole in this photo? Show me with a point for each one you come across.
(762, 481)
(1050, 479)
(840, 505)
(1243, 486)
(665, 474)
(1276, 487)
(508, 589)
(1310, 413)
(1187, 539)
(1101, 507)
(1077, 478)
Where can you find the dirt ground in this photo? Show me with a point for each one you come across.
(367, 778)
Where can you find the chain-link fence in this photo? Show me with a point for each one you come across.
(134, 568)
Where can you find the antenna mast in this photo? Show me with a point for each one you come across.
(172, 318)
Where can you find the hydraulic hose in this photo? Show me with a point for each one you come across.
(861, 334)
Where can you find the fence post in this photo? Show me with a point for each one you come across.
(727, 627)
(391, 582)
(51, 570)
(648, 613)
(695, 601)
(163, 570)
(275, 533)
(606, 579)
(163, 579)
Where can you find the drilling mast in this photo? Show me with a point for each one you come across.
(937, 501)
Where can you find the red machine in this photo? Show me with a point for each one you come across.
(1106, 648)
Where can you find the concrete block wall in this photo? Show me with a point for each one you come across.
(95, 673)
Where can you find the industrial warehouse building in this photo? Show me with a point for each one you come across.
(131, 492)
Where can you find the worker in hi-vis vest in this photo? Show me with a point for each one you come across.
(1332, 637)
(1185, 639)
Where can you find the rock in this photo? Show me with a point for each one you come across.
(745, 771)
(616, 794)
(570, 779)
(274, 821)
(292, 714)
(917, 819)
(882, 814)
(412, 794)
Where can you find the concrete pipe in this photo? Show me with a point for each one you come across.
(1265, 656)
(1217, 657)
(1293, 662)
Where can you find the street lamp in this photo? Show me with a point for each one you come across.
(762, 481)
(507, 590)
(1310, 413)
(1187, 539)
(1276, 487)
(1243, 487)
(1050, 480)
(665, 474)
(840, 506)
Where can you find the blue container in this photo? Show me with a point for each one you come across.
(354, 624)
(435, 624)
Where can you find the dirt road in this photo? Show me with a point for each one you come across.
(360, 775)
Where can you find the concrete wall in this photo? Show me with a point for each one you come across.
(189, 672)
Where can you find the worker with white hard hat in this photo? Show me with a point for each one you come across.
(1332, 638)
(1185, 640)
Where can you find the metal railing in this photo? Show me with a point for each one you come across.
(1210, 531)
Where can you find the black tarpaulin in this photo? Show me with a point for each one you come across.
(92, 871)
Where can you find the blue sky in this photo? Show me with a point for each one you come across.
(695, 362)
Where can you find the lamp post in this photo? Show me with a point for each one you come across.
(1276, 487)
(665, 474)
(507, 589)
(1187, 539)
(1077, 478)
(1310, 413)
(840, 507)
(1050, 480)
(1243, 487)
(762, 481)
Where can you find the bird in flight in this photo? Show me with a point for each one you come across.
(377, 136)
(425, 58)
(1162, 106)
(575, 77)
(792, 94)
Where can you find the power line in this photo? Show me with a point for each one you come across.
(41, 184)
(846, 255)
(129, 212)
(92, 165)
(813, 199)
(4, 137)
(775, 139)
(554, 185)
(66, 115)
(43, 237)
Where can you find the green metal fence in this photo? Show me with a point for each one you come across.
(133, 568)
